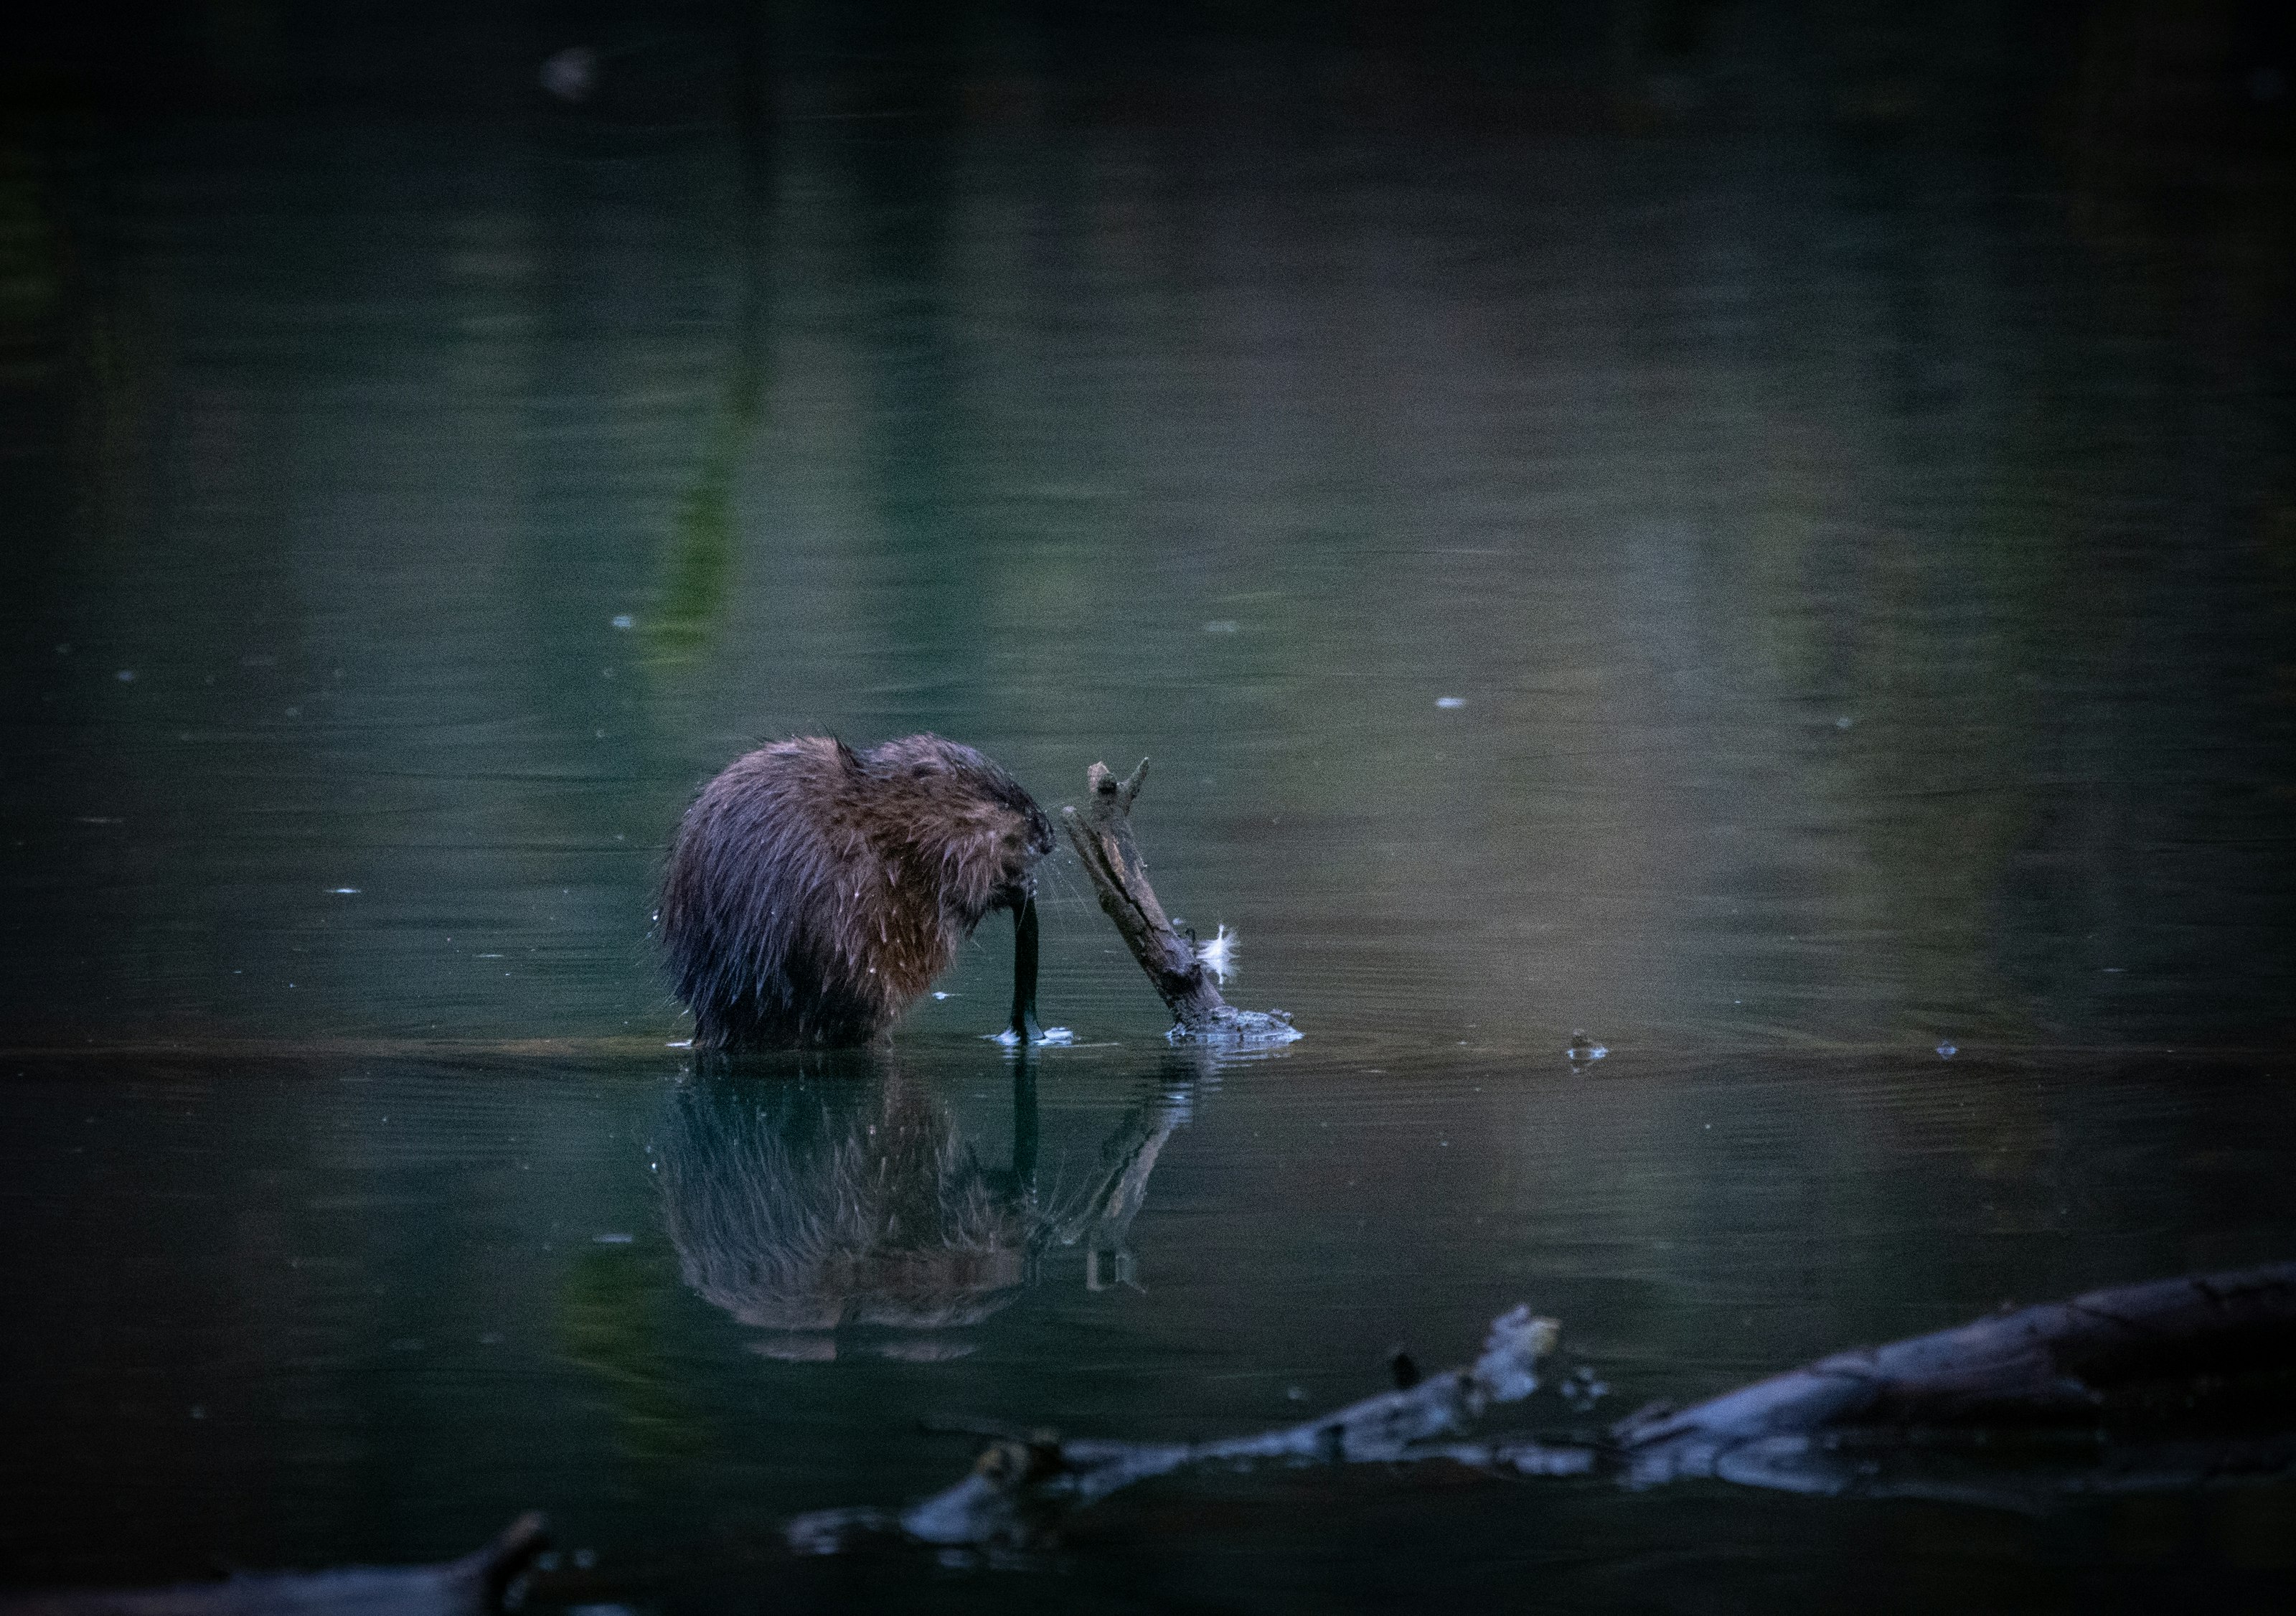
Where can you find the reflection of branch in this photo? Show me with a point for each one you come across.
(1102, 831)
(2175, 1384)
(698, 564)
(1105, 1216)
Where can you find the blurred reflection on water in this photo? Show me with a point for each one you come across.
(845, 1197)
(295, 1313)
(799, 1207)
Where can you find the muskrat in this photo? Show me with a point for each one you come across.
(814, 892)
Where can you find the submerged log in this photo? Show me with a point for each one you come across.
(472, 1586)
(2164, 1366)
(1102, 831)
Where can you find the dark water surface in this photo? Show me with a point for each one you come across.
(1781, 606)
(289, 1312)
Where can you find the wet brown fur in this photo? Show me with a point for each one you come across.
(814, 892)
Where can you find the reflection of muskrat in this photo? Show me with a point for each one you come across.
(813, 891)
(808, 1205)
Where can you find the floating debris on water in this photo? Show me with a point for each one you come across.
(1582, 1388)
(1219, 953)
(1049, 1035)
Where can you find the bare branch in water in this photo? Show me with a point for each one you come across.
(2169, 1385)
(1102, 831)
(1021, 1490)
(2194, 1378)
(472, 1585)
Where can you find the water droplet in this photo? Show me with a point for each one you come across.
(1844, 722)
(624, 621)
(126, 675)
(613, 1239)
(1584, 1051)
(571, 74)
(1450, 702)
(1945, 1052)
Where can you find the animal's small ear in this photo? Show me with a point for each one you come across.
(846, 755)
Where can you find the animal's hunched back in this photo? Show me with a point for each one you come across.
(813, 891)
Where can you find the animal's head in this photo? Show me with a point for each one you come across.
(968, 825)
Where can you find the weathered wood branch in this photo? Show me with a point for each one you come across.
(2179, 1384)
(1022, 1487)
(1101, 832)
(2202, 1354)
(472, 1585)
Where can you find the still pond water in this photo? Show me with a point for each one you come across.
(1816, 619)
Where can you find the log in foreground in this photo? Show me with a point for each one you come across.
(2140, 1387)
(2160, 1387)
(1024, 1486)
(472, 1585)
(1102, 830)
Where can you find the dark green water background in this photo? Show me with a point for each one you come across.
(1780, 603)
